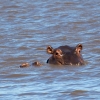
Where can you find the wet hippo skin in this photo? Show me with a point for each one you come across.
(36, 63)
(66, 55)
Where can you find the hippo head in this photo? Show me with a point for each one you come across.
(66, 55)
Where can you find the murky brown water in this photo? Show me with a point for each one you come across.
(27, 27)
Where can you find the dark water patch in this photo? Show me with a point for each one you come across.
(79, 93)
(16, 76)
(32, 93)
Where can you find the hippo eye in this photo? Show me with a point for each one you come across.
(56, 53)
(79, 51)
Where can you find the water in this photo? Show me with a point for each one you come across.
(27, 27)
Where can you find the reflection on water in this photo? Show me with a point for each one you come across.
(27, 28)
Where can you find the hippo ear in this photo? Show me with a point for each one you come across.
(79, 47)
(50, 50)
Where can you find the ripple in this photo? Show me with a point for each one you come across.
(27, 28)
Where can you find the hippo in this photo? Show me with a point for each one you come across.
(36, 63)
(24, 65)
(65, 55)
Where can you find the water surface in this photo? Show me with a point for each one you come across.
(27, 27)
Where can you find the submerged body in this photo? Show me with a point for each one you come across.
(66, 55)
